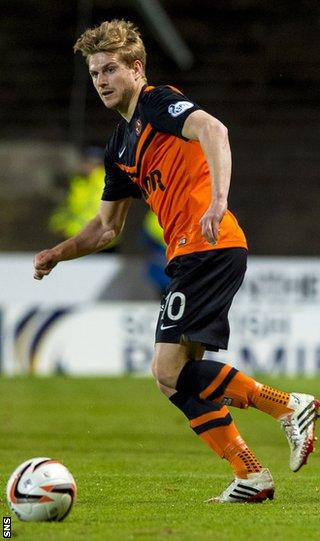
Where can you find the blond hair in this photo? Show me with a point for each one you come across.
(116, 36)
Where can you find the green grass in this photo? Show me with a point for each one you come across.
(142, 475)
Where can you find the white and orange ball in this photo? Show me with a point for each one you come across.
(41, 489)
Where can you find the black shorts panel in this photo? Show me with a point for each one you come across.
(196, 304)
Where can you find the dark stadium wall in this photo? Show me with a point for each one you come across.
(256, 67)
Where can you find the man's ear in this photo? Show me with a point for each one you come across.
(138, 68)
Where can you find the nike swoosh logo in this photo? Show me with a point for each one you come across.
(164, 327)
(121, 152)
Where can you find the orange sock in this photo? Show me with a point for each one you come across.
(240, 390)
(244, 391)
(226, 441)
(213, 423)
(241, 458)
(271, 401)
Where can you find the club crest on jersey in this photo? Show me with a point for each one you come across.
(176, 109)
(138, 126)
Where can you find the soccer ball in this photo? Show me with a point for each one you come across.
(41, 489)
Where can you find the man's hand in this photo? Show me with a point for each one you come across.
(211, 219)
(44, 262)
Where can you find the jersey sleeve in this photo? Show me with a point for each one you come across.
(167, 109)
(117, 184)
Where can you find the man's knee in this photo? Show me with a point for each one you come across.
(165, 374)
(168, 361)
(167, 391)
(164, 377)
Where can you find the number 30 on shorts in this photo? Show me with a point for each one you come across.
(174, 306)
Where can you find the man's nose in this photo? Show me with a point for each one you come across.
(102, 79)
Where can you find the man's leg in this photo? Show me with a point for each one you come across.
(221, 383)
(213, 423)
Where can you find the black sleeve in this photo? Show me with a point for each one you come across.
(166, 109)
(117, 183)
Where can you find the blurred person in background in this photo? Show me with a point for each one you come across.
(177, 156)
(83, 197)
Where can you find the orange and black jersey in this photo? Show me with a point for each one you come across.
(148, 157)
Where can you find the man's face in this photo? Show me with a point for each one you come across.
(114, 81)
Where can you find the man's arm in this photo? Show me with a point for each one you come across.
(213, 138)
(95, 236)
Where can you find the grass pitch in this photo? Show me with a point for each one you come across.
(142, 474)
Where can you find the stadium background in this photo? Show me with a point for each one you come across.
(255, 66)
